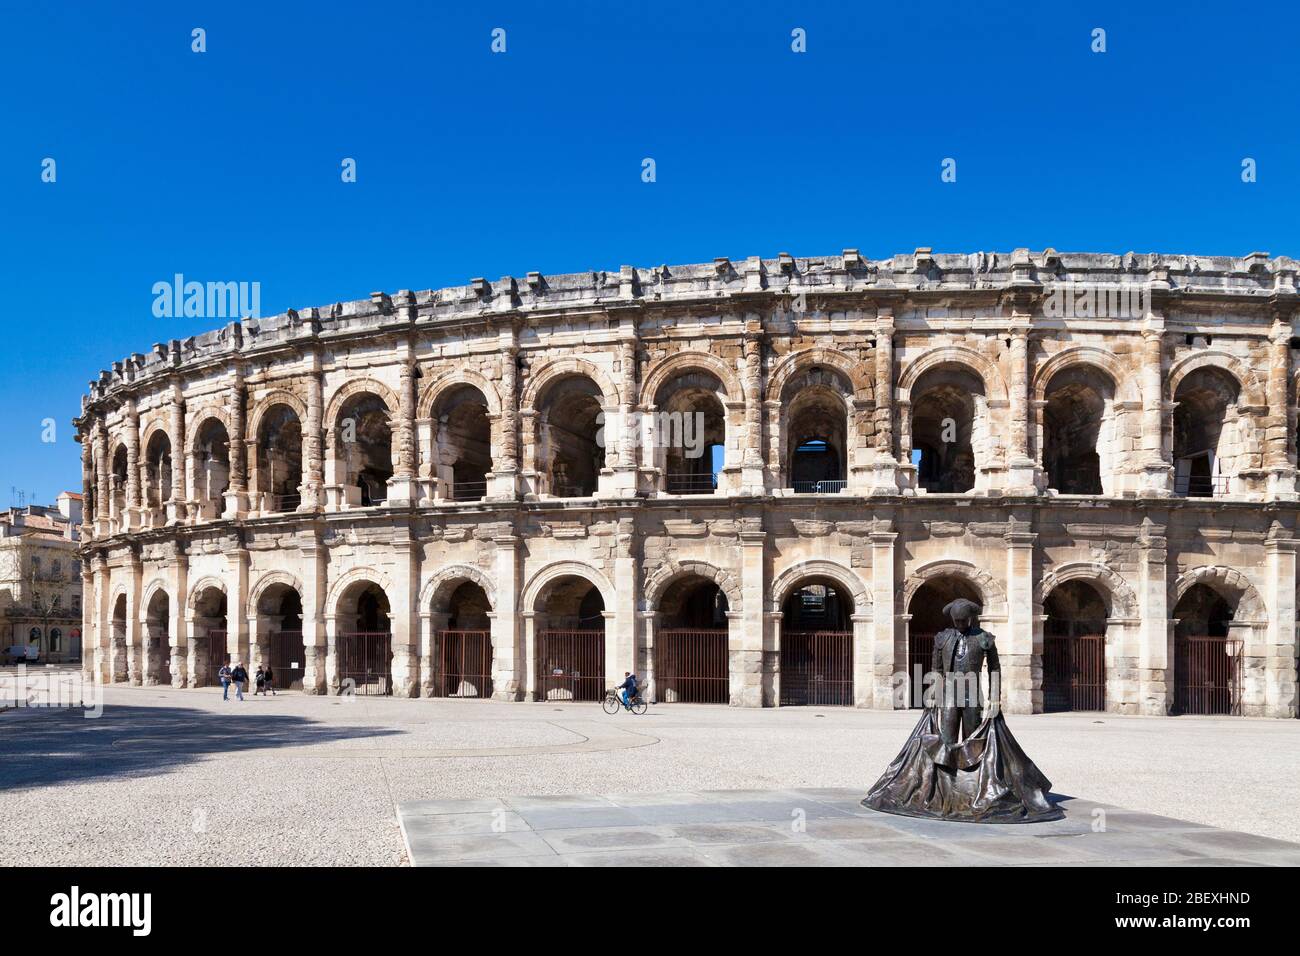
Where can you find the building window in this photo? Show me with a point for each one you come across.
(76, 603)
(34, 636)
(55, 568)
(56, 639)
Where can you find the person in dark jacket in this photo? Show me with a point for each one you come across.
(628, 687)
(270, 680)
(223, 675)
(240, 677)
(260, 679)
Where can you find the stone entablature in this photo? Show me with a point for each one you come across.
(879, 424)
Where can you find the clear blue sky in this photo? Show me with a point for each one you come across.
(225, 165)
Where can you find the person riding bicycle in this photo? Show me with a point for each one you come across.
(627, 688)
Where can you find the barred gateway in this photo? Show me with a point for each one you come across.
(417, 494)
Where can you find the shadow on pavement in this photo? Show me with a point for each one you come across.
(53, 747)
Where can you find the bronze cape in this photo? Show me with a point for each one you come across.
(986, 778)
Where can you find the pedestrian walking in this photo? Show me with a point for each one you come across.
(240, 677)
(270, 681)
(223, 675)
(260, 679)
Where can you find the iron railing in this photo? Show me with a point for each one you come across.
(691, 666)
(464, 664)
(1207, 675)
(827, 486)
(685, 484)
(920, 658)
(288, 659)
(571, 665)
(285, 502)
(1074, 673)
(365, 662)
(816, 668)
(468, 490)
(1201, 486)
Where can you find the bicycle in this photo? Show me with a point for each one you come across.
(613, 702)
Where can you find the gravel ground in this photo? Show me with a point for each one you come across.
(181, 777)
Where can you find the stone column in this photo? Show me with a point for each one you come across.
(1278, 460)
(645, 666)
(402, 489)
(402, 614)
(89, 485)
(620, 652)
(508, 655)
(885, 468)
(1156, 674)
(176, 634)
(530, 654)
(178, 506)
(237, 491)
(1280, 698)
(1020, 651)
(313, 617)
(102, 472)
(752, 480)
(873, 678)
(313, 475)
(134, 505)
(1157, 474)
(135, 636)
(430, 624)
(239, 636)
(1022, 472)
(748, 684)
(505, 467)
(625, 461)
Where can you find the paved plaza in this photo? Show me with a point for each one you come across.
(180, 777)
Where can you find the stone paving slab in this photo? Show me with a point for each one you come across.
(794, 827)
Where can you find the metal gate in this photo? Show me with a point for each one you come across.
(288, 658)
(817, 668)
(571, 665)
(218, 656)
(920, 658)
(1074, 673)
(691, 666)
(365, 660)
(464, 664)
(1207, 675)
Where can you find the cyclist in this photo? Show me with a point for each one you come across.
(628, 689)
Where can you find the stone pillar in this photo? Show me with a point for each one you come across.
(178, 506)
(1278, 461)
(89, 486)
(239, 636)
(1280, 698)
(752, 480)
(403, 615)
(645, 665)
(402, 489)
(134, 504)
(620, 653)
(430, 624)
(314, 680)
(748, 684)
(530, 654)
(508, 654)
(885, 467)
(1022, 472)
(332, 682)
(873, 678)
(313, 475)
(1156, 673)
(1020, 651)
(102, 472)
(1157, 473)
(135, 635)
(505, 467)
(622, 440)
(237, 491)
(176, 634)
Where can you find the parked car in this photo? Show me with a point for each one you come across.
(22, 654)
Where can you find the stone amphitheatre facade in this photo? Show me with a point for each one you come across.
(752, 482)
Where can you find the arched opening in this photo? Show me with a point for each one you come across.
(158, 474)
(1074, 648)
(817, 645)
(363, 444)
(463, 644)
(463, 444)
(1205, 433)
(279, 459)
(118, 481)
(279, 617)
(1207, 659)
(691, 433)
(949, 429)
(118, 639)
(570, 626)
(691, 654)
(157, 643)
(926, 619)
(571, 452)
(1077, 430)
(210, 636)
(364, 645)
(211, 468)
(817, 426)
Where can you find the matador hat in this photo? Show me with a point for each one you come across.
(963, 607)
